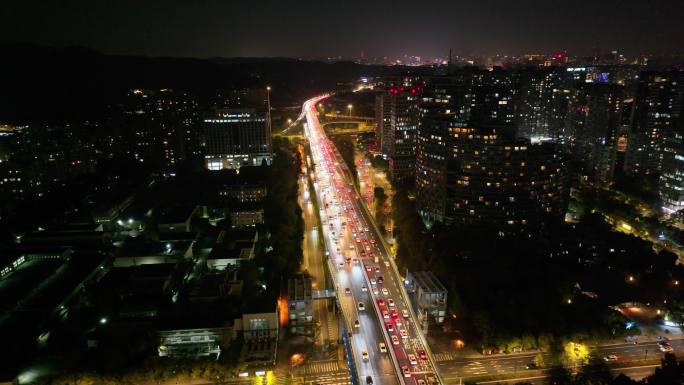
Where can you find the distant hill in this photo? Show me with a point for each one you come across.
(42, 84)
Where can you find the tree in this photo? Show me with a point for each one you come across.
(559, 375)
(670, 371)
(596, 372)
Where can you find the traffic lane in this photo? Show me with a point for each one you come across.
(354, 215)
(503, 364)
(394, 287)
(371, 367)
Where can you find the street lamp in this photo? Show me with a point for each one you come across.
(268, 106)
(349, 107)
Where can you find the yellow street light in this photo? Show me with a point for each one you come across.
(349, 107)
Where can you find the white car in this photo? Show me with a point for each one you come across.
(403, 333)
(375, 290)
(347, 291)
(387, 264)
(383, 347)
(405, 313)
(364, 288)
(385, 291)
(362, 306)
(395, 340)
(412, 359)
(390, 302)
(372, 280)
(364, 355)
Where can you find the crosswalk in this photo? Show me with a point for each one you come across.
(322, 367)
(446, 356)
(333, 327)
(329, 372)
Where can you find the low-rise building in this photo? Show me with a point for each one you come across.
(300, 305)
(430, 296)
(231, 247)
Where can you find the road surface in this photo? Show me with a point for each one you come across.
(368, 285)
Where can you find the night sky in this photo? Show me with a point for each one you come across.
(209, 28)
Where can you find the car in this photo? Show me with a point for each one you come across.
(422, 354)
(531, 366)
(369, 380)
(356, 261)
(390, 302)
(395, 339)
(394, 314)
(357, 324)
(421, 382)
(432, 381)
(362, 306)
(403, 333)
(381, 302)
(380, 279)
(406, 371)
(377, 269)
(364, 288)
(387, 264)
(385, 314)
(611, 357)
(364, 355)
(390, 327)
(372, 281)
(665, 347)
(404, 313)
(369, 269)
(383, 347)
(385, 291)
(375, 290)
(412, 359)
(347, 291)
(341, 264)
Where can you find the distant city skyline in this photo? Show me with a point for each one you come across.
(326, 29)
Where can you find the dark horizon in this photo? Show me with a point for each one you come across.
(318, 30)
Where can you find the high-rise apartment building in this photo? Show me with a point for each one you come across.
(593, 122)
(237, 138)
(471, 170)
(667, 117)
(657, 105)
(542, 104)
(397, 122)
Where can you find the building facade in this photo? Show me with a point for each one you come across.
(237, 138)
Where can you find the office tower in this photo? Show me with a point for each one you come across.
(592, 126)
(237, 138)
(657, 104)
(397, 109)
(542, 104)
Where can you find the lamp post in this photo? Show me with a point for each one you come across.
(349, 107)
(268, 115)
